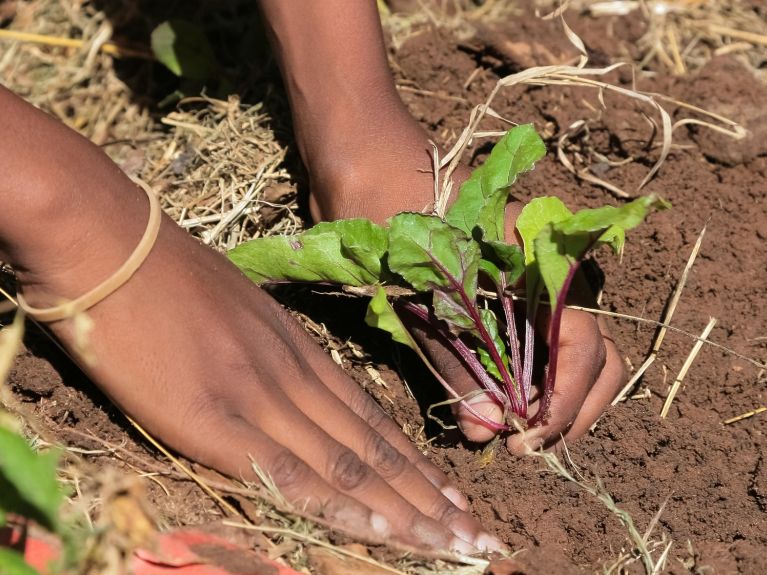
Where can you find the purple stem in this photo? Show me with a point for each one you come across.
(471, 307)
(527, 375)
(462, 350)
(511, 329)
(493, 425)
(554, 327)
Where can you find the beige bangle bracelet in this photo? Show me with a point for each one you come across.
(112, 283)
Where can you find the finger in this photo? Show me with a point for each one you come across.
(366, 408)
(451, 367)
(610, 382)
(360, 433)
(582, 355)
(296, 481)
(361, 424)
(276, 415)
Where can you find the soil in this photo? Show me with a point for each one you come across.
(706, 480)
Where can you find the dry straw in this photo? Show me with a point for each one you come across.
(686, 367)
(582, 76)
(640, 542)
(670, 309)
(222, 167)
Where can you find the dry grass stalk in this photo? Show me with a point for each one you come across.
(746, 415)
(670, 309)
(576, 129)
(222, 176)
(304, 538)
(10, 343)
(686, 367)
(673, 328)
(77, 85)
(191, 474)
(598, 490)
(684, 35)
(461, 17)
(582, 76)
(111, 48)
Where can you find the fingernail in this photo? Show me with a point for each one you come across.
(486, 542)
(460, 546)
(458, 498)
(461, 533)
(379, 523)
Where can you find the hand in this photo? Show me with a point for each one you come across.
(367, 157)
(204, 359)
(589, 373)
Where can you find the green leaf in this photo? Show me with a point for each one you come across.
(428, 253)
(615, 237)
(362, 241)
(12, 563)
(601, 219)
(534, 217)
(482, 199)
(347, 252)
(449, 308)
(184, 49)
(560, 245)
(490, 270)
(553, 259)
(500, 256)
(28, 483)
(381, 314)
(432, 255)
(491, 324)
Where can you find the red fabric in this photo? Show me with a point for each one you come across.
(185, 552)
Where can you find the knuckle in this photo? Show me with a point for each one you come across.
(388, 462)
(444, 511)
(288, 471)
(600, 354)
(367, 409)
(348, 471)
(203, 404)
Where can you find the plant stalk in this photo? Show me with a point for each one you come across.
(511, 329)
(471, 308)
(555, 324)
(493, 425)
(462, 350)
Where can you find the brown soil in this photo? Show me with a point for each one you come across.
(712, 476)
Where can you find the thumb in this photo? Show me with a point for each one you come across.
(473, 428)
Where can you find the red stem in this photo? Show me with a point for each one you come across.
(461, 349)
(554, 327)
(471, 307)
(511, 329)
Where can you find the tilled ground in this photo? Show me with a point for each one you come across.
(711, 476)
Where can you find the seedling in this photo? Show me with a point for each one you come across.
(431, 267)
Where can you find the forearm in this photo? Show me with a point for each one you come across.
(323, 45)
(333, 60)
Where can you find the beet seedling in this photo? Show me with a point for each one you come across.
(431, 267)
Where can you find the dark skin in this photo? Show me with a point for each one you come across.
(175, 344)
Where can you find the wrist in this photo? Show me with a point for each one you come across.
(69, 215)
